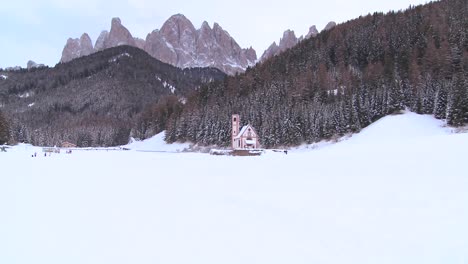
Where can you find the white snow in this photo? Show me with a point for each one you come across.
(115, 58)
(168, 85)
(405, 127)
(156, 144)
(4, 77)
(183, 100)
(395, 193)
(334, 92)
(24, 95)
(31, 104)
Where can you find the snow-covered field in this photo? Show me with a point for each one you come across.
(395, 193)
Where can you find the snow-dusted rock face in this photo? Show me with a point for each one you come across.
(330, 25)
(76, 48)
(86, 45)
(31, 64)
(178, 43)
(251, 56)
(159, 48)
(100, 40)
(140, 43)
(312, 32)
(71, 50)
(270, 52)
(118, 35)
(288, 41)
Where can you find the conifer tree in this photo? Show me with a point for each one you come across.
(4, 129)
(440, 108)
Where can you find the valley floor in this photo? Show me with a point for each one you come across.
(395, 193)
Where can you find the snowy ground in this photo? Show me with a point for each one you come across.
(395, 193)
(156, 144)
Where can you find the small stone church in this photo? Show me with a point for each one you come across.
(246, 138)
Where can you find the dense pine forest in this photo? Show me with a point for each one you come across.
(4, 129)
(97, 100)
(342, 80)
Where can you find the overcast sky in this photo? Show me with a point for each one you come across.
(38, 29)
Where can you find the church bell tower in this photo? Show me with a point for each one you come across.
(235, 127)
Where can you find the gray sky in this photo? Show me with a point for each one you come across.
(38, 29)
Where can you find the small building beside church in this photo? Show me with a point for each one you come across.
(66, 144)
(245, 137)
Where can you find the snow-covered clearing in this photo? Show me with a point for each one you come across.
(395, 193)
(156, 144)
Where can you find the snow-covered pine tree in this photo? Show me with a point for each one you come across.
(440, 105)
(4, 129)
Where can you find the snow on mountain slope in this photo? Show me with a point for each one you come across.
(395, 130)
(404, 127)
(156, 144)
(379, 197)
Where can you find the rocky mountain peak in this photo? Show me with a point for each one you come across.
(76, 48)
(118, 35)
(330, 25)
(312, 32)
(86, 45)
(116, 22)
(205, 26)
(99, 45)
(178, 29)
(288, 40)
(177, 23)
(251, 56)
(272, 50)
(177, 43)
(31, 64)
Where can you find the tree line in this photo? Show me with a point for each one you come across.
(96, 100)
(336, 83)
(342, 80)
(4, 129)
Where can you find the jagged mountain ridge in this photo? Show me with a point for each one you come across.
(290, 40)
(178, 43)
(93, 100)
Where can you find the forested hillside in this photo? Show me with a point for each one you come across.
(97, 100)
(4, 129)
(343, 80)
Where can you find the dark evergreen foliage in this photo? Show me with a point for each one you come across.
(4, 129)
(342, 80)
(94, 100)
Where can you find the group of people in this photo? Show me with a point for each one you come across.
(69, 151)
(45, 154)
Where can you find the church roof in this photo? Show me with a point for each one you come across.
(244, 128)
